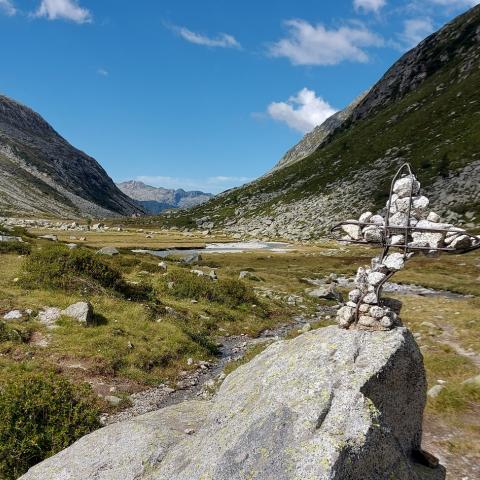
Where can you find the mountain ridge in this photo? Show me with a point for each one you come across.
(157, 199)
(42, 173)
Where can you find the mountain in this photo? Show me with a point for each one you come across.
(156, 199)
(425, 110)
(312, 140)
(41, 173)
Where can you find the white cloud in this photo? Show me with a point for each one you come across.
(223, 40)
(302, 112)
(215, 184)
(7, 7)
(415, 30)
(369, 5)
(103, 72)
(316, 45)
(64, 10)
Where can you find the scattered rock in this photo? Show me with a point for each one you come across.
(328, 292)
(435, 391)
(49, 316)
(108, 251)
(13, 315)
(80, 311)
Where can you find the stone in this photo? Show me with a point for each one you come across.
(399, 219)
(377, 220)
(472, 381)
(113, 400)
(370, 298)
(329, 404)
(366, 321)
(375, 278)
(52, 238)
(328, 292)
(163, 265)
(10, 238)
(372, 234)
(433, 239)
(345, 316)
(108, 251)
(433, 217)
(198, 273)
(353, 231)
(245, 275)
(406, 186)
(13, 315)
(191, 258)
(386, 321)
(376, 312)
(435, 391)
(125, 450)
(49, 316)
(80, 311)
(461, 242)
(397, 240)
(72, 246)
(365, 217)
(213, 275)
(354, 295)
(394, 261)
(306, 328)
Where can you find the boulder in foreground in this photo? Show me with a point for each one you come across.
(330, 404)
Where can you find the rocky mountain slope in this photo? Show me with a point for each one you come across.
(157, 199)
(312, 140)
(41, 173)
(425, 110)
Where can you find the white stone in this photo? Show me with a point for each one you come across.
(435, 391)
(375, 278)
(463, 241)
(386, 321)
(163, 265)
(80, 311)
(354, 231)
(370, 298)
(49, 316)
(365, 217)
(376, 312)
(13, 315)
(377, 220)
(433, 217)
(406, 186)
(398, 220)
(397, 240)
(372, 234)
(354, 295)
(394, 261)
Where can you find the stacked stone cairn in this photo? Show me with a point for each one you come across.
(365, 310)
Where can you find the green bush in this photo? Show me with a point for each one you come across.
(9, 333)
(20, 248)
(56, 266)
(40, 414)
(231, 293)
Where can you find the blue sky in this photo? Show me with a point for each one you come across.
(200, 94)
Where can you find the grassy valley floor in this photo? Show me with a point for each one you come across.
(158, 327)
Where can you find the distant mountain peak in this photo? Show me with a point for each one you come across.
(157, 199)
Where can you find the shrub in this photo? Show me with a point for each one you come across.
(20, 248)
(56, 266)
(8, 333)
(40, 414)
(231, 293)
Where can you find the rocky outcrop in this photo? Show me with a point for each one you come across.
(312, 140)
(157, 199)
(330, 404)
(40, 172)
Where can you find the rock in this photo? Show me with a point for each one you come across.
(433, 239)
(377, 220)
(80, 311)
(330, 404)
(163, 265)
(113, 400)
(435, 391)
(386, 321)
(246, 275)
(328, 292)
(376, 312)
(370, 298)
(72, 246)
(472, 381)
(433, 217)
(373, 234)
(463, 241)
(213, 275)
(192, 258)
(124, 450)
(406, 186)
(397, 240)
(52, 238)
(399, 219)
(108, 251)
(306, 328)
(394, 261)
(365, 217)
(13, 315)
(375, 278)
(354, 295)
(353, 231)
(345, 316)
(49, 316)
(366, 321)
(198, 273)
(10, 238)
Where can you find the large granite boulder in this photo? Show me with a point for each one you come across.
(330, 404)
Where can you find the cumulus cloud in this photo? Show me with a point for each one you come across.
(309, 44)
(222, 40)
(7, 7)
(415, 30)
(215, 184)
(302, 112)
(369, 5)
(63, 10)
